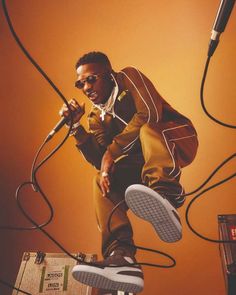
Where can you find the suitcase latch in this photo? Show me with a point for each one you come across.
(39, 257)
(81, 256)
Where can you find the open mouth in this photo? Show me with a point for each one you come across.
(93, 95)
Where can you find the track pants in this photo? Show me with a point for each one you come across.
(166, 148)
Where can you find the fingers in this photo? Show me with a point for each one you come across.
(105, 184)
(76, 109)
(106, 169)
(73, 106)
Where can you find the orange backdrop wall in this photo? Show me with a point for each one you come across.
(168, 41)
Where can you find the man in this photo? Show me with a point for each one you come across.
(139, 144)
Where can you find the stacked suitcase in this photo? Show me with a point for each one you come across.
(227, 231)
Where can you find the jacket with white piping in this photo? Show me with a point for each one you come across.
(137, 103)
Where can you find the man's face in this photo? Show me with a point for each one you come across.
(95, 81)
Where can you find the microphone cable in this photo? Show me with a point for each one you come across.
(202, 98)
(35, 185)
(186, 214)
(230, 158)
(34, 182)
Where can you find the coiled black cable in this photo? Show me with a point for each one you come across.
(186, 214)
(203, 102)
(34, 182)
(220, 166)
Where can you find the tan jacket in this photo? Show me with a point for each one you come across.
(137, 103)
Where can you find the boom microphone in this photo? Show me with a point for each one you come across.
(222, 17)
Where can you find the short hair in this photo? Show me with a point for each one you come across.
(93, 57)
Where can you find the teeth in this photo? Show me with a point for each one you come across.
(92, 94)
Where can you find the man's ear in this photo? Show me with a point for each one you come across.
(109, 77)
(112, 77)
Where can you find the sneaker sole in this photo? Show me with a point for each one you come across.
(149, 205)
(94, 279)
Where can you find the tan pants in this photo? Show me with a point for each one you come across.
(166, 148)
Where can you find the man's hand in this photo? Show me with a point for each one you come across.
(107, 166)
(77, 111)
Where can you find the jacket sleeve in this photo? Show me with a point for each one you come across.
(148, 105)
(92, 144)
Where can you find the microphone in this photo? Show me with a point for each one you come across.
(58, 126)
(222, 17)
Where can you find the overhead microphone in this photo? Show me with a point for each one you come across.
(222, 17)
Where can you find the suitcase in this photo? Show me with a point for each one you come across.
(227, 231)
(50, 274)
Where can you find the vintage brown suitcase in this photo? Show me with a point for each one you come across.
(50, 273)
(227, 231)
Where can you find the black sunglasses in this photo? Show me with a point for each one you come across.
(91, 79)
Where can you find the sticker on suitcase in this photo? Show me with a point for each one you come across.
(54, 278)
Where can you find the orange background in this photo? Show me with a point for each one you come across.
(168, 41)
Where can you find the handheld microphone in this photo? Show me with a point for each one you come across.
(58, 126)
(222, 17)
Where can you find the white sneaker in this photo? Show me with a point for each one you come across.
(149, 205)
(104, 275)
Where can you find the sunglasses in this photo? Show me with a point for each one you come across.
(91, 79)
